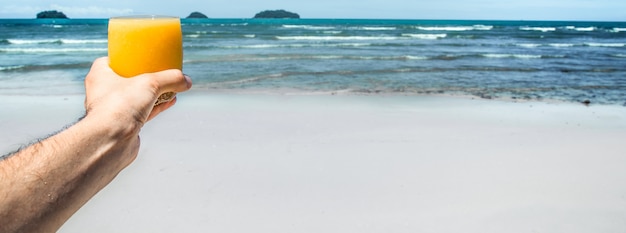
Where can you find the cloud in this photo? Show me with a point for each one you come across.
(91, 11)
(70, 11)
(13, 9)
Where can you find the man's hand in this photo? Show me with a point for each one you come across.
(130, 100)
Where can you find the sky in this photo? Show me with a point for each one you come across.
(580, 10)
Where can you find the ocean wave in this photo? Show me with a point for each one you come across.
(94, 41)
(332, 32)
(330, 38)
(56, 41)
(448, 57)
(561, 45)
(308, 27)
(228, 24)
(528, 45)
(285, 57)
(426, 36)
(270, 46)
(257, 46)
(541, 29)
(581, 29)
(605, 44)
(21, 41)
(373, 28)
(619, 30)
(457, 28)
(519, 56)
(557, 45)
(275, 57)
(400, 58)
(30, 68)
(620, 55)
(359, 86)
(51, 50)
(7, 68)
(199, 34)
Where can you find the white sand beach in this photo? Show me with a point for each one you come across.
(293, 163)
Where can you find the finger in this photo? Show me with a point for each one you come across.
(100, 67)
(171, 81)
(101, 64)
(101, 61)
(161, 108)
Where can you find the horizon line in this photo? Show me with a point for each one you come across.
(399, 19)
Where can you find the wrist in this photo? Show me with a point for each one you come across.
(112, 125)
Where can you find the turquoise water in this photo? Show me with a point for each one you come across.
(568, 61)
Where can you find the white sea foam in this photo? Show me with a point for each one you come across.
(525, 45)
(93, 41)
(20, 41)
(605, 44)
(619, 30)
(309, 27)
(51, 50)
(374, 28)
(426, 36)
(585, 29)
(329, 38)
(457, 28)
(325, 57)
(406, 57)
(621, 55)
(269, 46)
(332, 32)
(541, 29)
(560, 45)
(233, 24)
(193, 36)
(256, 46)
(51, 41)
(580, 29)
(520, 56)
(483, 27)
(3, 68)
(249, 36)
(260, 46)
(409, 57)
(352, 45)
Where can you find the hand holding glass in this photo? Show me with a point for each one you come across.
(145, 44)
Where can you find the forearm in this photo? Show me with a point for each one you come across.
(43, 185)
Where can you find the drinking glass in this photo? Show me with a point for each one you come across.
(145, 44)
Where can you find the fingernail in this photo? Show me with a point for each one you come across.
(188, 79)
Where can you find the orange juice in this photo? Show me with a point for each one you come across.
(144, 44)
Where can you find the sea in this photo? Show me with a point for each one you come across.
(513, 60)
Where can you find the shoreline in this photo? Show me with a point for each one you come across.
(346, 93)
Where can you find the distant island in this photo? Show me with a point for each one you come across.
(51, 15)
(267, 14)
(276, 14)
(197, 15)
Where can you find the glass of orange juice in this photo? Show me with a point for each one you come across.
(145, 44)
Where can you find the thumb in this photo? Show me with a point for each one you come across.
(172, 80)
